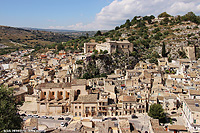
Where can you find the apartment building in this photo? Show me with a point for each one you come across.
(191, 113)
(111, 46)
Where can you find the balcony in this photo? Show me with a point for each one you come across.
(87, 111)
(92, 111)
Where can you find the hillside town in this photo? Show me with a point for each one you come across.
(142, 77)
(53, 99)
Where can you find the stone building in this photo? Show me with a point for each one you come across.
(56, 98)
(111, 46)
(89, 47)
(190, 52)
(85, 106)
(191, 113)
(130, 105)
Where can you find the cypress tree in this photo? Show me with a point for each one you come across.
(163, 50)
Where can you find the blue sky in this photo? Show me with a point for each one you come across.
(86, 14)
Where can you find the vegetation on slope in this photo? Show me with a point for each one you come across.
(9, 118)
(18, 38)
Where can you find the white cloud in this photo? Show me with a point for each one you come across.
(183, 7)
(118, 11)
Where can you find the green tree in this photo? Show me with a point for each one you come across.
(86, 76)
(164, 50)
(98, 33)
(154, 60)
(103, 75)
(117, 28)
(190, 16)
(87, 35)
(9, 119)
(128, 24)
(164, 14)
(105, 51)
(95, 51)
(166, 20)
(157, 112)
(60, 47)
(156, 30)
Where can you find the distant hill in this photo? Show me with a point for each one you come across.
(49, 30)
(71, 33)
(30, 37)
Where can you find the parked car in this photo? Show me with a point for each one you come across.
(114, 119)
(133, 116)
(67, 118)
(174, 119)
(173, 112)
(34, 128)
(29, 116)
(66, 124)
(60, 118)
(62, 124)
(23, 114)
(36, 116)
(109, 118)
(105, 119)
(44, 117)
(50, 117)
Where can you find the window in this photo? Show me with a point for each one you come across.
(52, 93)
(79, 113)
(61, 93)
(75, 107)
(194, 120)
(45, 93)
(93, 108)
(75, 113)
(79, 107)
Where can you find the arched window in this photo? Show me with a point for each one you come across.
(78, 92)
